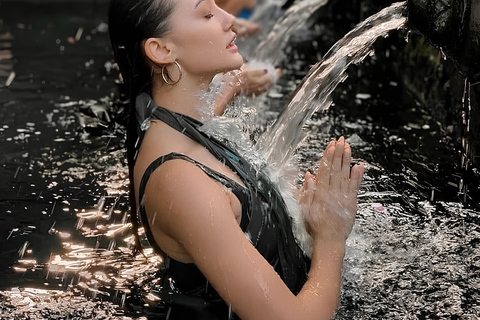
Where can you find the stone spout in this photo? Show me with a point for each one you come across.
(452, 25)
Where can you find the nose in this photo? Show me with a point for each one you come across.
(229, 20)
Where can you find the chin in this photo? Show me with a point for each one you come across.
(238, 63)
(233, 64)
(230, 68)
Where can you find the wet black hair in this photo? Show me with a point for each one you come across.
(130, 23)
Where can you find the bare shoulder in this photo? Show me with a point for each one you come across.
(182, 196)
(175, 177)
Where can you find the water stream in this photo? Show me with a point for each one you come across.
(314, 93)
(295, 18)
(64, 227)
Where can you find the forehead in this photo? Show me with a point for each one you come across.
(188, 5)
(191, 4)
(197, 2)
(186, 11)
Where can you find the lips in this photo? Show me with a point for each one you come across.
(232, 43)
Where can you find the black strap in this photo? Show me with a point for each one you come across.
(190, 127)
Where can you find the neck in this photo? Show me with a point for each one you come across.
(183, 97)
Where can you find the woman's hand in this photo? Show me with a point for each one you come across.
(254, 81)
(329, 200)
(251, 82)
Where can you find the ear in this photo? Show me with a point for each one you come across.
(159, 51)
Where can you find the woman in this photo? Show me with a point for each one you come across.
(221, 226)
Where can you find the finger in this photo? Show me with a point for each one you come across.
(255, 73)
(324, 170)
(356, 177)
(267, 80)
(256, 80)
(346, 160)
(328, 150)
(261, 81)
(336, 172)
(305, 180)
(345, 172)
(338, 155)
(323, 173)
(309, 183)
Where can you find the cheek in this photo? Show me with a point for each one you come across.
(201, 42)
(202, 53)
(204, 50)
(210, 40)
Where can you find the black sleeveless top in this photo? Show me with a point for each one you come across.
(185, 292)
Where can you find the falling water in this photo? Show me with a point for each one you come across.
(263, 7)
(275, 148)
(296, 17)
(280, 142)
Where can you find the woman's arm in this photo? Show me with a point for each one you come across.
(193, 210)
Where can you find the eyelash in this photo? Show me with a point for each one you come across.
(208, 16)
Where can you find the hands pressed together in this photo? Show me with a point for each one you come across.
(329, 199)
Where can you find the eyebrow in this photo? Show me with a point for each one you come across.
(198, 3)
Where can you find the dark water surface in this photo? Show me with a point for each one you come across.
(52, 168)
(64, 232)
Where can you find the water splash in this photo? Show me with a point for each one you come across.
(280, 142)
(207, 99)
(275, 149)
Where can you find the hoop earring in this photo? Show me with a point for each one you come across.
(166, 77)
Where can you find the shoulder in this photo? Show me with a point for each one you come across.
(179, 192)
(179, 174)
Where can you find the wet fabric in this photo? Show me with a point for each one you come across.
(186, 292)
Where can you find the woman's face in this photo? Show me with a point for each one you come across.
(203, 38)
